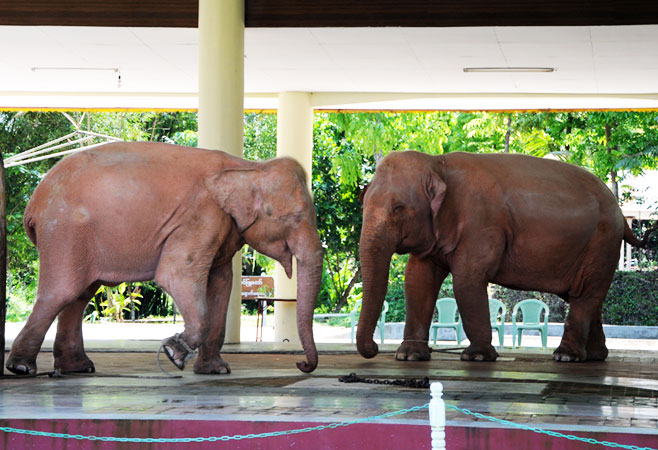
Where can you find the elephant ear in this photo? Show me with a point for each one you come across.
(236, 192)
(436, 192)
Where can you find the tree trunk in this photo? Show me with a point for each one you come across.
(614, 185)
(346, 293)
(509, 133)
(3, 261)
(379, 155)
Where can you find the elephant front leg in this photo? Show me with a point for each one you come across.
(423, 280)
(183, 271)
(209, 360)
(68, 349)
(189, 296)
(473, 304)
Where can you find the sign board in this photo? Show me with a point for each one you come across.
(257, 287)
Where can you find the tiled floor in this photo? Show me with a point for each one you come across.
(522, 386)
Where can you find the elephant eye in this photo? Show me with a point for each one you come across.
(398, 208)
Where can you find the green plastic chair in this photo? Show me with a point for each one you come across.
(448, 318)
(497, 311)
(531, 309)
(354, 318)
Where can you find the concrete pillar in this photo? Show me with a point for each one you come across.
(295, 140)
(221, 103)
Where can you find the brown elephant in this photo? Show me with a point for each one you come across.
(176, 215)
(515, 220)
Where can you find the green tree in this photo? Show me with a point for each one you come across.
(259, 136)
(19, 132)
(610, 144)
(336, 188)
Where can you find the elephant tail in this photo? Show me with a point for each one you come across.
(28, 223)
(634, 241)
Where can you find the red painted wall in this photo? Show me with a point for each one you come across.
(353, 437)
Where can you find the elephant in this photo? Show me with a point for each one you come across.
(515, 220)
(175, 215)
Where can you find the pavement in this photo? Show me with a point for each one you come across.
(129, 334)
(614, 400)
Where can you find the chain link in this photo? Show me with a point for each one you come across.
(547, 432)
(411, 382)
(214, 438)
(352, 378)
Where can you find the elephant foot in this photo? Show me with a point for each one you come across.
(21, 366)
(177, 350)
(212, 366)
(74, 365)
(368, 348)
(413, 351)
(596, 349)
(564, 354)
(598, 354)
(479, 353)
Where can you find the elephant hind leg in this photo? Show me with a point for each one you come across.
(596, 348)
(583, 337)
(51, 299)
(68, 349)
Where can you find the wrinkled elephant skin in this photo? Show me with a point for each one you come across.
(176, 215)
(514, 220)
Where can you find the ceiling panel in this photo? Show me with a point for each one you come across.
(599, 60)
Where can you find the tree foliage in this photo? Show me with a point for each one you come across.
(346, 147)
(339, 171)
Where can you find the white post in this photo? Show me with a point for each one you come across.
(221, 104)
(437, 416)
(295, 140)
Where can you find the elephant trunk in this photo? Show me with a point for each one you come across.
(309, 279)
(375, 262)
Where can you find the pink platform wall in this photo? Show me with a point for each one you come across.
(354, 437)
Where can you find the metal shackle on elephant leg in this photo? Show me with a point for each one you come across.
(177, 350)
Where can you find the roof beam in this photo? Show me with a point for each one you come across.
(334, 13)
(447, 13)
(95, 13)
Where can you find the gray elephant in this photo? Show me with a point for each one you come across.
(176, 215)
(518, 221)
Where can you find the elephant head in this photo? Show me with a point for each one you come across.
(400, 210)
(273, 209)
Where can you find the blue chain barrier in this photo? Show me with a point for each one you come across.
(319, 428)
(547, 432)
(237, 437)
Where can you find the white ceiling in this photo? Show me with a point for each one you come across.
(418, 68)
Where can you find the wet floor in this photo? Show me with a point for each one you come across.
(522, 386)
